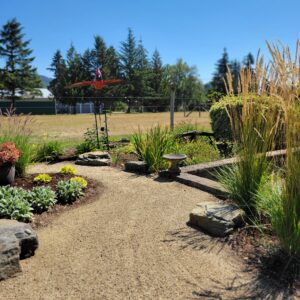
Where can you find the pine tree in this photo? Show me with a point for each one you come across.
(218, 84)
(235, 73)
(128, 60)
(141, 82)
(248, 61)
(100, 53)
(113, 72)
(75, 73)
(113, 63)
(156, 72)
(18, 75)
(57, 86)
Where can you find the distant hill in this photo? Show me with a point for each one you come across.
(45, 80)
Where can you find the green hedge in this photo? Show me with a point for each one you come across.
(220, 121)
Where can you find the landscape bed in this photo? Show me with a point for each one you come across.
(91, 192)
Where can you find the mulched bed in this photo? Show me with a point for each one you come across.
(91, 193)
(260, 250)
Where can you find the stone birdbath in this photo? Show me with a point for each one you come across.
(174, 160)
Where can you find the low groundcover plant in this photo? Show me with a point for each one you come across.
(81, 181)
(68, 191)
(42, 178)
(68, 170)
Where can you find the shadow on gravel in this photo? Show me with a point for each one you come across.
(193, 238)
(257, 288)
(263, 285)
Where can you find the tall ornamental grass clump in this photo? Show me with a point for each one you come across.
(285, 84)
(17, 129)
(151, 147)
(49, 151)
(278, 199)
(254, 131)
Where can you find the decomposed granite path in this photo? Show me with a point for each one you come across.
(132, 243)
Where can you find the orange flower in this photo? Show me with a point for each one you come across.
(9, 154)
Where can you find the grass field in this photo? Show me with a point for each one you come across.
(70, 128)
(64, 127)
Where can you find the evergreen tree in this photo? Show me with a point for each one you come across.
(219, 76)
(57, 86)
(235, 73)
(100, 54)
(128, 61)
(113, 72)
(156, 72)
(141, 72)
(248, 61)
(75, 73)
(17, 75)
(113, 64)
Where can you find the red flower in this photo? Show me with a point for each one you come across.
(9, 154)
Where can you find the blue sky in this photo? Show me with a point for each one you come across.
(195, 30)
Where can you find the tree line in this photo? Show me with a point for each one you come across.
(144, 76)
(216, 89)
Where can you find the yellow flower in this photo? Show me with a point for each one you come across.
(68, 170)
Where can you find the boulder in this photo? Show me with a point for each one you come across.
(26, 237)
(217, 219)
(136, 166)
(9, 256)
(95, 158)
(94, 155)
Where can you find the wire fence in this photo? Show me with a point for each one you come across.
(79, 105)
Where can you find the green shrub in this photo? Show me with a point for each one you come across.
(68, 170)
(120, 106)
(14, 204)
(42, 198)
(232, 107)
(90, 142)
(220, 121)
(68, 191)
(151, 147)
(183, 127)
(197, 152)
(42, 178)
(49, 151)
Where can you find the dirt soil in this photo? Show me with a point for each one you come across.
(132, 242)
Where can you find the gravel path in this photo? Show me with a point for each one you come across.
(131, 243)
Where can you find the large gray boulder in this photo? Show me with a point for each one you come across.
(136, 166)
(9, 256)
(95, 158)
(26, 237)
(217, 218)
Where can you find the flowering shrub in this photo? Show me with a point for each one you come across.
(68, 170)
(42, 178)
(80, 180)
(9, 154)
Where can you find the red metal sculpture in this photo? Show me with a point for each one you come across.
(98, 83)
